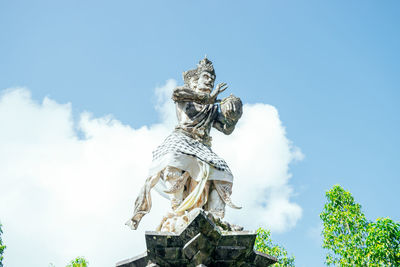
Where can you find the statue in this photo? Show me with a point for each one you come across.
(184, 168)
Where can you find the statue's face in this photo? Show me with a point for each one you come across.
(205, 82)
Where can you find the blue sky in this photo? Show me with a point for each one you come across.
(331, 69)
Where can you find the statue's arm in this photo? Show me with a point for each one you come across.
(185, 94)
(231, 111)
(224, 124)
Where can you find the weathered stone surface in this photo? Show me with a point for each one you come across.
(229, 252)
(201, 243)
(243, 238)
(138, 261)
(263, 259)
(191, 247)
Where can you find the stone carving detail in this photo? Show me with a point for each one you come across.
(203, 242)
(184, 168)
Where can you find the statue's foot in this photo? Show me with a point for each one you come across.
(223, 225)
(132, 224)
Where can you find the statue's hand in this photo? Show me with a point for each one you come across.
(220, 88)
(231, 108)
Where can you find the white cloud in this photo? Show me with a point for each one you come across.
(62, 196)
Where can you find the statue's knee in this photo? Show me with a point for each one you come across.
(171, 173)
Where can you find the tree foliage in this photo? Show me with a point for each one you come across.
(78, 262)
(2, 247)
(265, 245)
(352, 240)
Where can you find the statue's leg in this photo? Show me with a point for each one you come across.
(143, 202)
(192, 184)
(215, 204)
(175, 180)
(220, 195)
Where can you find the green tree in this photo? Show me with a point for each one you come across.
(382, 245)
(78, 262)
(264, 244)
(2, 247)
(352, 240)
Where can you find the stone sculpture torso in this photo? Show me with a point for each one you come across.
(196, 119)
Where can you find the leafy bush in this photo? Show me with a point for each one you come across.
(2, 247)
(265, 245)
(78, 262)
(352, 240)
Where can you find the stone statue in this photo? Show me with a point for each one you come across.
(184, 168)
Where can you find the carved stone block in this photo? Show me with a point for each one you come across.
(201, 243)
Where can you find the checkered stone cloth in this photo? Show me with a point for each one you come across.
(179, 143)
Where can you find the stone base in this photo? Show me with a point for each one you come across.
(201, 243)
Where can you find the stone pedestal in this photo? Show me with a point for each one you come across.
(201, 243)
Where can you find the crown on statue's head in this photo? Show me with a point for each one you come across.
(205, 65)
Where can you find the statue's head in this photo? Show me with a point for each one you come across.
(202, 78)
